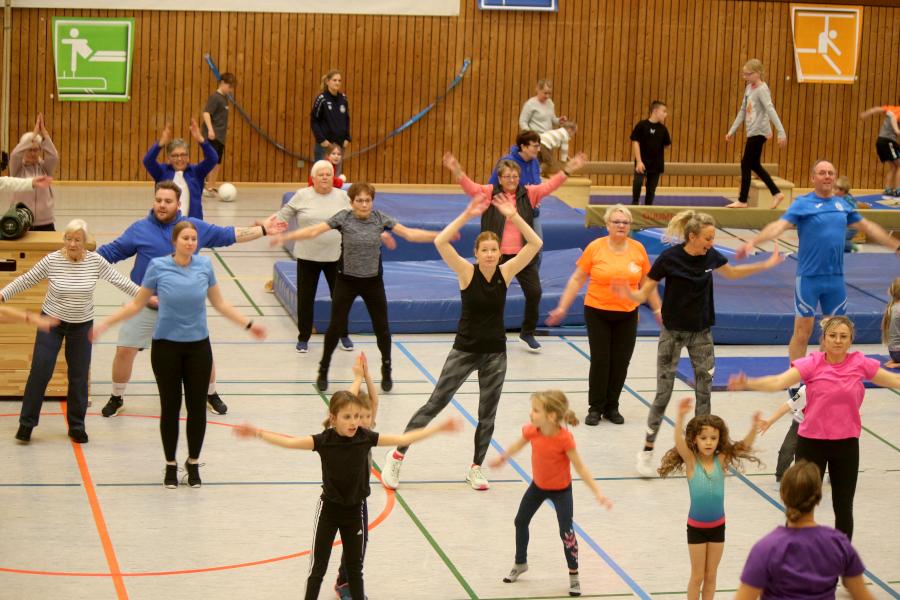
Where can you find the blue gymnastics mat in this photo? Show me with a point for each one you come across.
(563, 226)
(753, 366)
(423, 296)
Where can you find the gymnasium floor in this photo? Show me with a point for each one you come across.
(95, 522)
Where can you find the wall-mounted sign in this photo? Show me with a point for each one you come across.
(826, 42)
(93, 58)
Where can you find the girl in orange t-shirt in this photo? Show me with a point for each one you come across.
(552, 451)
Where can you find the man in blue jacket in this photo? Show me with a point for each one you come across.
(190, 178)
(150, 238)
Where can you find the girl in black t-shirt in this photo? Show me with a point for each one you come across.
(688, 313)
(343, 448)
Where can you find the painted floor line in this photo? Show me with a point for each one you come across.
(762, 493)
(637, 589)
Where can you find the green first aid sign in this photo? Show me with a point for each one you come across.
(93, 58)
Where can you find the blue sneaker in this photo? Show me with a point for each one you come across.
(528, 340)
(302, 347)
(347, 343)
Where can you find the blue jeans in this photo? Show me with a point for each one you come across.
(78, 359)
(562, 502)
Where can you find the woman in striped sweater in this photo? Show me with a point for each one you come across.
(72, 273)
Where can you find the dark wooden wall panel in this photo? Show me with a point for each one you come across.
(608, 59)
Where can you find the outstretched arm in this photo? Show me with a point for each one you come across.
(770, 383)
(875, 110)
(877, 233)
(511, 451)
(214, 294)
(769, 232)
(127, 311)
(305, 233)
(415, 235)
(782, 410)
(296, 443)
(740, 271)
(886, 379)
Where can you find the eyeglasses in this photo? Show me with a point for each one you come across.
(534, 145)
(180, 155)
(621, 223)
(510, 176)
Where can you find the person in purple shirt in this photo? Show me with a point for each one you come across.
(802, 559)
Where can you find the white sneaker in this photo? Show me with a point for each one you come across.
(476, 478)
(645, 466)
(390, 472)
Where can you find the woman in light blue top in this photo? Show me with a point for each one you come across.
(180, 352)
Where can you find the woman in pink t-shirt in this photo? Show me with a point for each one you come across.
(829, 434)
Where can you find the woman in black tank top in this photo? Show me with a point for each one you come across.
(480, 343)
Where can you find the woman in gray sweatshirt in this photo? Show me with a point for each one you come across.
(758, 114)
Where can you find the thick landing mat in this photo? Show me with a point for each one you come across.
(753, 366)
(563, 226)
(880, 202)
(603, 199)
(423, 297)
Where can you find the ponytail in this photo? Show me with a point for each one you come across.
(685, 223)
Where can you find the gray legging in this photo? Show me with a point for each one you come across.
(459, 365)
(700, 348)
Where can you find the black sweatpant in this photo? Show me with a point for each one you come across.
(529, 279)
(751, 161)
(611, 336)
(652, 182)
(176, 364)
(346, 289)
(841, 457)
(307, 283)
(331, 518)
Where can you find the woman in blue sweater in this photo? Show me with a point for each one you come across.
(188, 177)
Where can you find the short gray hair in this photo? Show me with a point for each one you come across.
(76, 225)
(319, 165)
(31, 137)
(614, 209)
(176, 143)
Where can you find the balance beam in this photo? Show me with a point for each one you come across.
(738, 218)
(672, 168)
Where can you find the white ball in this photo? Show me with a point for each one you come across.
(227, 192)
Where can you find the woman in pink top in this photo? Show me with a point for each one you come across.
(829, 433)
(527, 198)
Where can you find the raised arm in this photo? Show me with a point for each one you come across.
(770, 383)
(150, 163)
(681, 446)
(210, 156)
(770, 232)
(442, 242)
(214, 294)
(276, 439)
(740, 271)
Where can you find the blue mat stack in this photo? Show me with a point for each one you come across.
(423, 293)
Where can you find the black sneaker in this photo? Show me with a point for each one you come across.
(79, 436)
(322, 381)
(171, 478)
(215, 404)
(614, 417)
(193, 474)
(592, 418)
(115, 406)
(528, 339)
(24, 434)
(387, 383)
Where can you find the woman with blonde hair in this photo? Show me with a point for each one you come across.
(611, 320)
(72, 273)
(330, 116)
(758, 114)
(688, 313)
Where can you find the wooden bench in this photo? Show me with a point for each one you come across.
(759, 195)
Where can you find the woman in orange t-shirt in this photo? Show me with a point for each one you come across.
(611, 320)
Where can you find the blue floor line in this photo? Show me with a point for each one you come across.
(875, 579)
(637, 589)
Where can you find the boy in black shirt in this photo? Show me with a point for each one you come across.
(648, 143)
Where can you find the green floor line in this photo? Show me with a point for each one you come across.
(238, 283)
(424, 531)
(875, 435)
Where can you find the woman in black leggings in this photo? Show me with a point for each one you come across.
(480, 343)
(359, 271)
(829, 433)
(180, 352)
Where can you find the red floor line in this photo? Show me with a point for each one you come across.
(99, 521)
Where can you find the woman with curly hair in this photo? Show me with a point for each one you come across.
(705, 451)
